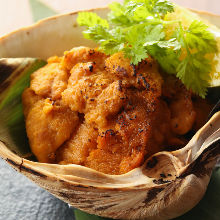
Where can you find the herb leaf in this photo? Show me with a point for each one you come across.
(194, 70)
(194, 73)
(137, 28)
(198, 36)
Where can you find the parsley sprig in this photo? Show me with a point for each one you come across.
(138, 29)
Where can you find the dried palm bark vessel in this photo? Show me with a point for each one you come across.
(167, 185)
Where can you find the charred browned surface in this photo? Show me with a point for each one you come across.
(5, 70)
(152, 193)
(104, 113)
(199, 166)
(152, 163)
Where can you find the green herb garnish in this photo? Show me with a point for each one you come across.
(138, 29)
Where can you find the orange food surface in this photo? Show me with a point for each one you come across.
(102, 112)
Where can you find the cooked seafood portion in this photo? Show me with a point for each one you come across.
(101, 112)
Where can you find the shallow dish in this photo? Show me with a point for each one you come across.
(141, 193)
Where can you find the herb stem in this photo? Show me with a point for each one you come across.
(182, 31)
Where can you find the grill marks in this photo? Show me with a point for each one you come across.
(119, 101)
(131, 132)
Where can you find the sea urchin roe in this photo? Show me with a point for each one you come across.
(48, 126)
(49, 81)
(104, 113)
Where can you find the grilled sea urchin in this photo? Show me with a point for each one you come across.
(111, 118)
(141, 193)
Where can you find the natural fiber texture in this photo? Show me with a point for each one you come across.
(166, 186)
